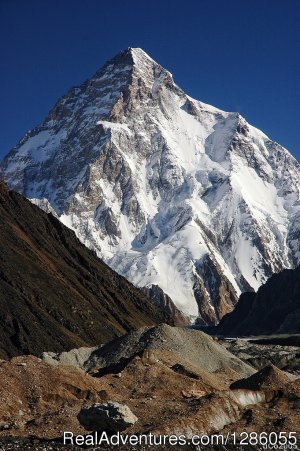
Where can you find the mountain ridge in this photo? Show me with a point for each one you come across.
(171, 192)
(274, 309)
(55, 293)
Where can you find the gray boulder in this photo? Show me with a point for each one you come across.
(110, 416)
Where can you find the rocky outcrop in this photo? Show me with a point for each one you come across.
(110, 417)
(55, 294)
(167, 190)
(275, 308)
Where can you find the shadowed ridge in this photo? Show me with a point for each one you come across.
(275, 308)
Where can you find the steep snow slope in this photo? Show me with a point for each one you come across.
(168, 190)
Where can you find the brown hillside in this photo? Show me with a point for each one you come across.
(55, 294)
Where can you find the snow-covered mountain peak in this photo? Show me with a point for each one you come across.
(131, 56)
(135, 62)
(140, 56)
(171, 192)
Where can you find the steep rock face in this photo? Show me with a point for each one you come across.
(165, 188)
(275, 308)
(212, 289)
(55, 294)
(165, 303)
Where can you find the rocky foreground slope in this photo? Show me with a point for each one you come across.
(171, 192)
(55, 294)
(275, 308)
(175, 381)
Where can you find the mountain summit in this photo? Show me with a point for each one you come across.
(176, 195)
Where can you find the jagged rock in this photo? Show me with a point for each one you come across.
(110, 416)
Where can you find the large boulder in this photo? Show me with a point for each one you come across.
(110, 416)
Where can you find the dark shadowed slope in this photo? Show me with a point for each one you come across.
(275, 308)
(55, 294)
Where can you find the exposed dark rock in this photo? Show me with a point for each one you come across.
(110, 416)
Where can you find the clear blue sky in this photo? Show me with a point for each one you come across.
(238, 55)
